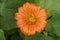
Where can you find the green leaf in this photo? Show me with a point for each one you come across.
(48, 38)
(7, 21)
(2, 37)
(53, 4)
(49, 27)
(11, 32)
(56, 24)
(53, 7)
(7, 11)
(57, 38)
(37, 36)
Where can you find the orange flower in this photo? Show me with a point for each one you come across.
(31, 18)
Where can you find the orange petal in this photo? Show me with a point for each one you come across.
(34, 8)
(26, 7)
(20, 10)
(43, 14)
(20, 15)
(37, 26)
(20, 23)
(16, 16)
(41, 26)
(32, 29)
(25, 30)
(30, 8)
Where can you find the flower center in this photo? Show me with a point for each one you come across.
(31, 19)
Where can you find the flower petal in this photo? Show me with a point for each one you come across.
(41, 26)
(20, 9)
(20, 15)
(16, 16)
(43, 14)
(31, 8)
(25, 30)
(20, 23)
(32, 29)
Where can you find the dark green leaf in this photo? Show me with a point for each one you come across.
(34, 37)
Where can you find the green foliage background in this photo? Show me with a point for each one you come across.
(9, 31)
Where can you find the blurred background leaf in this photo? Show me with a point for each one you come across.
(53, 7)
(2, 37)
(37, 36)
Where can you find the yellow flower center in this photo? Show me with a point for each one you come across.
(31, 19)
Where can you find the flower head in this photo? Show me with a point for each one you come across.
(31, 18)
